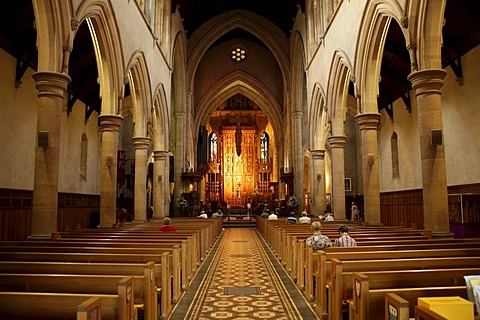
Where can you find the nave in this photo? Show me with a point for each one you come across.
(242, 279)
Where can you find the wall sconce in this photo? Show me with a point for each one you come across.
(370, 159)
(190, 187)
(436, 137)
(109, 161)
(319, 177)
(43, 139)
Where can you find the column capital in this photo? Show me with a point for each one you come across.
(317, 154)
(368, 121)
(337, 141)
(110, 122)
(160, 155)
(141, 142)
(51, 83)
(427, 81)
(297, 114)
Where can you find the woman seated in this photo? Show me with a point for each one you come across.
(166, 225)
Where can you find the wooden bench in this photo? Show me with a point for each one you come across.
(41, 305)
(369, 291)
(161, 266)
(323, 268)
(422, 313)
(340, 286)
(142, 288)
(307, 257)
(144, 277)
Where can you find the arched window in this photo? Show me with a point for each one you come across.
(83, 157)
(213, 148)
(264, 146)
(395, 163)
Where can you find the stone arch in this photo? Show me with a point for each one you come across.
(426, 23)
(243, 83)
(139, 81)
(299, 112)
(264, 30)
(373, 33)
(160, 122)
(337, 91)
(180, 111)
(318, 121)
(106, 40)
(52, 23)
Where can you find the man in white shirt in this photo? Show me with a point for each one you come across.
(202, 215)
(272, 216)
(304, 218)
(329, 217)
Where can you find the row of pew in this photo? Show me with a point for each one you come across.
(387, 272)
(127, 273)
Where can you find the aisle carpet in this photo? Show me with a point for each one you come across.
(241, 279)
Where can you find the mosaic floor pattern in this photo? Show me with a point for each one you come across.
(242, 281)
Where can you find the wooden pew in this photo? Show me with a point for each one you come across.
(41, 305)
(369, 291)
(74, 278)
(307, 257)
(143, 289)
(161, 265)
(396, 307)
(340, 286)
(323, 264)
(422, 313)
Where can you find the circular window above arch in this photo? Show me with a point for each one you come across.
(238, 54)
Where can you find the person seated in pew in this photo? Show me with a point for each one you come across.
(291, 219)
(265, 212)
(202, 215)
(167, 225)
(329, 217)
(217, 214)
(345, 240)
(272, 216)
(318, 240)
(304, 218)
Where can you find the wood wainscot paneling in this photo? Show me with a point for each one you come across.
(402, 208)
(77, 211)
(15, 214)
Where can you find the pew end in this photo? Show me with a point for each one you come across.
(422, 313)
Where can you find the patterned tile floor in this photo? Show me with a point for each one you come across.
(241, 279)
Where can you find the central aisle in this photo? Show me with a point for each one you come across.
(241, 279)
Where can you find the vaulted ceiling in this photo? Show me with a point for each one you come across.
(461, 33)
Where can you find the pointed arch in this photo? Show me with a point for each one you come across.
(139, 81)
(369, 50)
(52, 23)
(106, 40)
(427, 19)
(337, 91)
(264, 30)
(243, 83)
(318, 121)
(160, 116)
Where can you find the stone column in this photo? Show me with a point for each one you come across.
(427, 84)
(140, 187)
(319, 202)
(110, 125)
(338, 176)
(179, 156)
(51, 88)
(298, 170)
(160, 184)
(368, 123)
